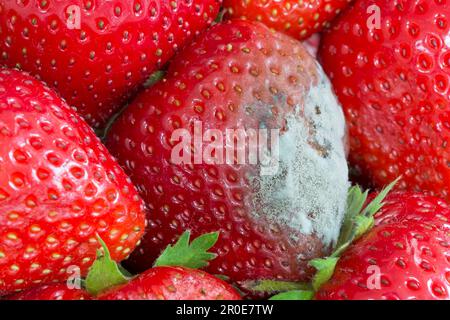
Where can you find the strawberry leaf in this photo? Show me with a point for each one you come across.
(104, 272)
(273, 286)
(325, 269)
(355, 224)
(222, 277)
(220, 16)
(355, 202)
(377, 203)
(154, 78)
(362, 225)
(294, 295)
(192, 255)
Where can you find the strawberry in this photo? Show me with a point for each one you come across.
(106, 281)
(389, 64)
(239, 76)
(405, 256)
(173, 283)
(299, 19)
(96, 54)
(59, 187)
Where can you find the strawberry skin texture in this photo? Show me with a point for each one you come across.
(59, 187)
(410, 244)
(54, 291)
(230, 77)
(299, 19)
(173, 283)
(119, 44)
(160, 283)
(393, 84)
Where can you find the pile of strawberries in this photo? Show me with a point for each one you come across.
(93, 204)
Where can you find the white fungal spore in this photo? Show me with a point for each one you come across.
(309, 190)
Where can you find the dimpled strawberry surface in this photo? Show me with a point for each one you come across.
(96, 54)
(390, 71)
(59, 189)
(233, 141)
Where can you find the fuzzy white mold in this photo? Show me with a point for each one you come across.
(309, 190)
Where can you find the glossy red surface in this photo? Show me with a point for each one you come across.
(99, 65)
(393, 83)
(59, 188)
(299, 19)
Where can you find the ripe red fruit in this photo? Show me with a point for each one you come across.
(54, 291)
(393, 84)
(171, 278)
(99, 64)
(239, 75)
(161, 283)
(173, 283)
(405, 256)
(299, 19)
(59, 187)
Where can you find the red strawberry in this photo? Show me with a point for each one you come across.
(97, 65)
(393, 83)
(59, 187)
(173, 283)
(405, 256)
(54, 291)
(239, 75)
(163, 282)
(299, 19)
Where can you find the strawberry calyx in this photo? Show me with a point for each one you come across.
(220, 16)
(287, 290)
(187, 254)
(106, 273)
(154, 78)
(294, 295)
(273, 286)
(358, 220)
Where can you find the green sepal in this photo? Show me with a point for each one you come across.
(362, 225)
(325, 269)
(376, 204)
(154, 78)
(222, 277)
(192, 255)
(355, 224)
(355, 202)
(104, 272)
(273, 286)
(294, 295)
(220, 16)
